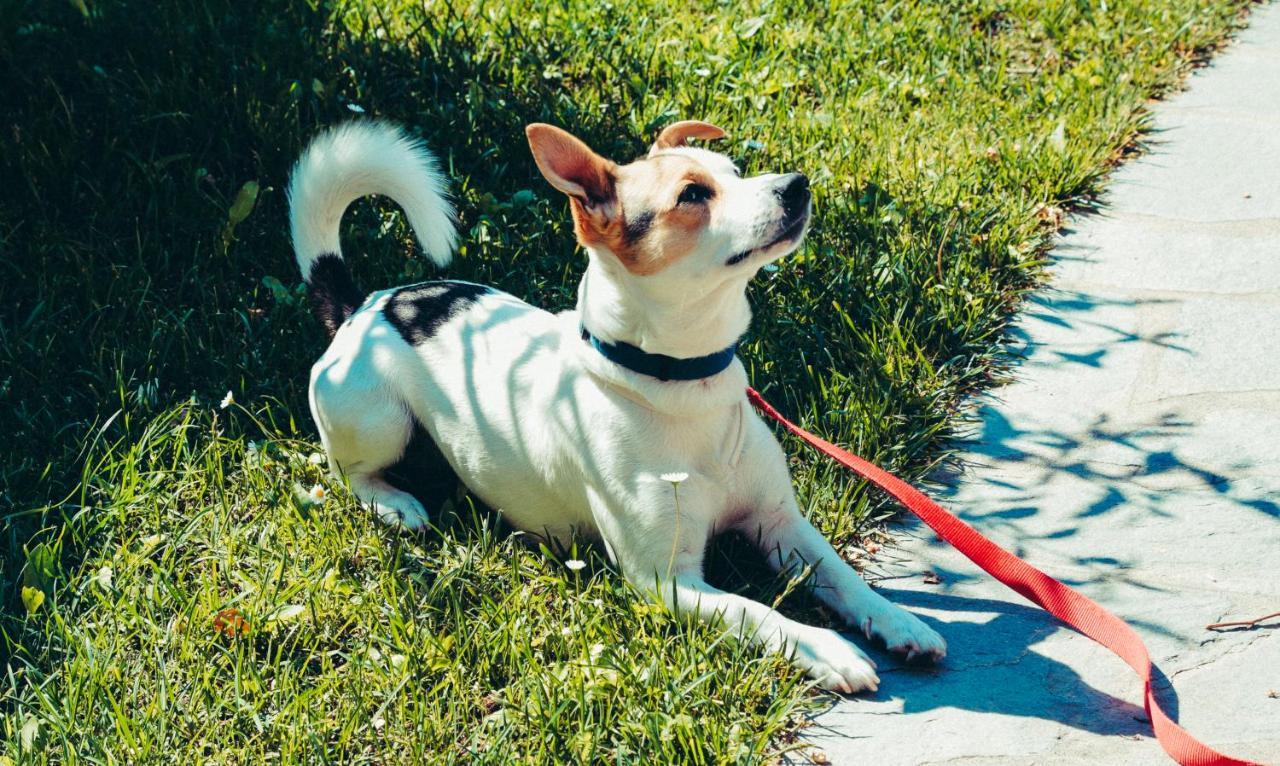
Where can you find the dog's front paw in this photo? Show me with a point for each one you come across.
(834, 662)
(903, 632)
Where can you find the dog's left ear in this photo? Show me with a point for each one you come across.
(572, 167)
(677, 133)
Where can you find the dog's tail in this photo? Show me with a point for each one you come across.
(342, 165)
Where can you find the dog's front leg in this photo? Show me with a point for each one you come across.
(826, 656)
(660, 550)
(791, 543)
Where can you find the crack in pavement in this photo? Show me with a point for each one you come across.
(1232, 650)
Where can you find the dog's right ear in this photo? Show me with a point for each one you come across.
(677, 133)
(570, 166)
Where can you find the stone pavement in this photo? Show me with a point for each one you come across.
(1136, 457)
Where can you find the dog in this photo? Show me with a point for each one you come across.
(624, 420)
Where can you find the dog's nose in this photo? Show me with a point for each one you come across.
(793, 192)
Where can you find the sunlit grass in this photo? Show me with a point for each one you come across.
(172, 593)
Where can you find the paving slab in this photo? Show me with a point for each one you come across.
(1136, 456)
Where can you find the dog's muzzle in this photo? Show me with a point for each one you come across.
(792, 191)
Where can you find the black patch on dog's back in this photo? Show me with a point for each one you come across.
(332, 293)
(418, 311)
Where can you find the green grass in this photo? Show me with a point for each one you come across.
(135, 511)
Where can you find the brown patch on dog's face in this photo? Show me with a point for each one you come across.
(665, 204)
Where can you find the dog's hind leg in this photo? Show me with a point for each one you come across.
(393, 507)
(365, 433)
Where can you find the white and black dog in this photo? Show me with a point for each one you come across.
(589, 420)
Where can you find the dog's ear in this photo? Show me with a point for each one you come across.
(570, 166)
(677, 133)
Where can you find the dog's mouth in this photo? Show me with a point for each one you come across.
(788, 235)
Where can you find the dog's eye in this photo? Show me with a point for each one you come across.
(694, 194)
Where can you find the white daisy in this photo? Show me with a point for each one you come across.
(227, 401)
(675, 477)
(316, 494)
(104, 577)
(575, 565)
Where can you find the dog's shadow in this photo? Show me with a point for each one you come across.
(993, 666)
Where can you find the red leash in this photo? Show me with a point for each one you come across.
(1055, 598)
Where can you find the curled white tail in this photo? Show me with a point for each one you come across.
(354, 160)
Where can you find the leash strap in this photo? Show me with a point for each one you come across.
(1057, 599)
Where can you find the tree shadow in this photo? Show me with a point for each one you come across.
(1128, 462)
(1123, 469)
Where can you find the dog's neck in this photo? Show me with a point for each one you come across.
(612, 313)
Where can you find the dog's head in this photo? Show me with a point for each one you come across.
(681, 215)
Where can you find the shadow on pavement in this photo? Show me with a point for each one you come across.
(994, 667)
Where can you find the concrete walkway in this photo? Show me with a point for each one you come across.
(1136, 457)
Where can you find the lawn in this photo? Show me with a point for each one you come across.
(169, 592)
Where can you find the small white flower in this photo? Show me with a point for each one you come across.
(104, 577)
(575, 564)
(674, 477)
(316, 494)
(596, 651)
(227, 401)
(315, 458)
(566, 631)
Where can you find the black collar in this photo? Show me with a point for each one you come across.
(661, 366)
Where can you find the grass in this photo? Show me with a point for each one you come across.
(167, 594)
